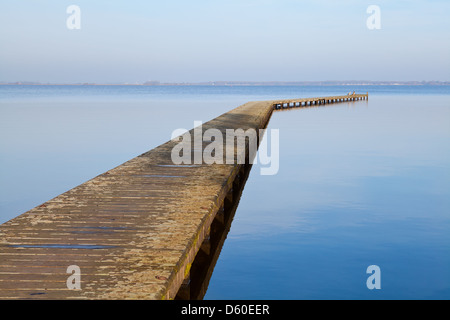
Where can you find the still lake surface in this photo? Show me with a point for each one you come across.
(359, 184)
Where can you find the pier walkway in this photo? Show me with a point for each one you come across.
(296, 103)
(141, 230)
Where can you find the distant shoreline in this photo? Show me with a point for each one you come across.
(243, 83)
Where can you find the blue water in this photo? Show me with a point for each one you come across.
(359, 184)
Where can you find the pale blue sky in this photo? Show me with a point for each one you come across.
(211, 40)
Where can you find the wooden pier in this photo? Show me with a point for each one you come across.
(142, 230)
(304, 102)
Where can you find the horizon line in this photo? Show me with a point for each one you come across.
(239, 83)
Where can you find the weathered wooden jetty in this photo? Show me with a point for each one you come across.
(304, 102)
(142, 230)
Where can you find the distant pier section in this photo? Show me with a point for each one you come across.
(147, 229)
(304, 102)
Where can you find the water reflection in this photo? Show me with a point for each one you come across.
(359, 184)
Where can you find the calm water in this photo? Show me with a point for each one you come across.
(359, 184)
